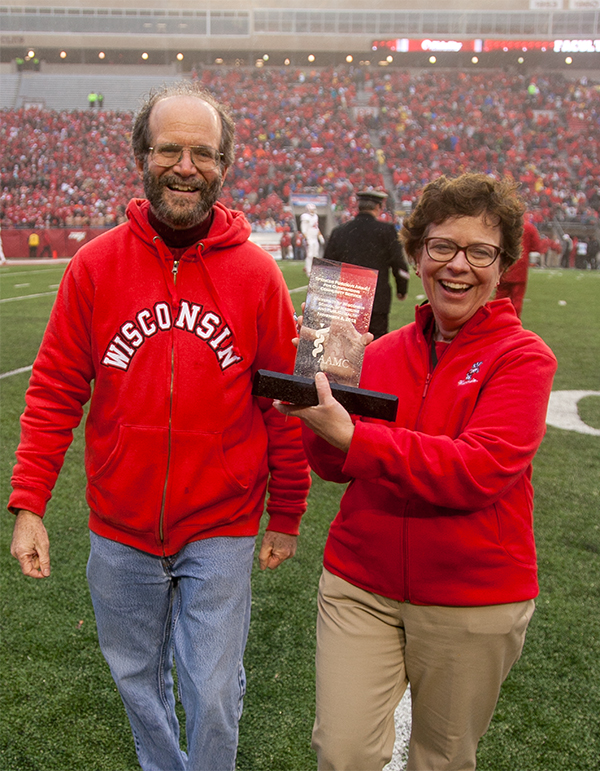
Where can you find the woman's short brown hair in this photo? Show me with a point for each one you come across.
(469, 195)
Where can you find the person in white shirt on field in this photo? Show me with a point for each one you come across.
(309, 225)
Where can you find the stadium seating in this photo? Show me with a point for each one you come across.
(329, 130)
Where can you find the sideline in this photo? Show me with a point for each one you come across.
(38, 261)
(27, 296)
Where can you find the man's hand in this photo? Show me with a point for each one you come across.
(276, 548)
(30, 545)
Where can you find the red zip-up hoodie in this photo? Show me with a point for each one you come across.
(439, 510)
(177, 449)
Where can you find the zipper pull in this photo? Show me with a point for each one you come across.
(427, 379)
(175, 270)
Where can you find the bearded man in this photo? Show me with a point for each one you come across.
(169, 316)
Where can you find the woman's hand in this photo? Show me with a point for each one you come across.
(328, 419)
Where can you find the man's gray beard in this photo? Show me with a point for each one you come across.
(183, 217)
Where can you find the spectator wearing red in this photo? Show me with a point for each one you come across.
(513, 282)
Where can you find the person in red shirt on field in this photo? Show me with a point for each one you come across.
(176, 299)
(429, 567)
(513, 282)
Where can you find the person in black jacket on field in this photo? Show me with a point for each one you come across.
(373, 244)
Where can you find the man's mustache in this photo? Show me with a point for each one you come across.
(173, 179)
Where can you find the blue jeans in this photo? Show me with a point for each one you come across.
(193, 607)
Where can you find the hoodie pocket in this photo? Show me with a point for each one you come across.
(128, 489)
(200, 477)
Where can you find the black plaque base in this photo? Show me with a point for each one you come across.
(303, 391)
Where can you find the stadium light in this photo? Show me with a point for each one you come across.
(311, 58)
(101, 55)
(63, 54)
(520, 60)
(287, 62)
(180, 57)
(349, 58)
(144, 55)
(218, 60)
(389, 59)
(259, 63)
(568, 60)
(265, 57)
(474, 60)
(31, 53)
(432, 60)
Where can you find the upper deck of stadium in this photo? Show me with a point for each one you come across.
(187, 33)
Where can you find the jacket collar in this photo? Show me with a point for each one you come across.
(494, 315)
(229, 228)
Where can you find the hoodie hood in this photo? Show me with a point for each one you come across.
(229, 228)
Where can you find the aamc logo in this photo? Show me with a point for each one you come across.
(191, 317)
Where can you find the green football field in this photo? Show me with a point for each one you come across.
(59, 710)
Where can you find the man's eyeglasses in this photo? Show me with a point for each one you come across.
(203, 158)
(478, 255)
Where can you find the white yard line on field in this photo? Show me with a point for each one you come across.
(26, 297)
(16, 371)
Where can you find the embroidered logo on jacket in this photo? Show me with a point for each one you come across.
(191, 317)
(470, 376)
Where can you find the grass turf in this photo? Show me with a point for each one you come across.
(59, 710)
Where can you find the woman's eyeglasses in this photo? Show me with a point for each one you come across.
(478, 255)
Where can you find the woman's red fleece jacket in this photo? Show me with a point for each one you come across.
(439, 510)
(177, 449)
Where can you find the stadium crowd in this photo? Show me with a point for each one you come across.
(544, 131)
(333, 131)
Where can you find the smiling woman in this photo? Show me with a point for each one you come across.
(462, 237)
(430, 567)
(454, 286)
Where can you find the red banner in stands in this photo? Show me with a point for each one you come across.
(54, 242)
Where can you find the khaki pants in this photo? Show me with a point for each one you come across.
(370, 647)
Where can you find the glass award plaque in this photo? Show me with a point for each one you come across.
(336, 318)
